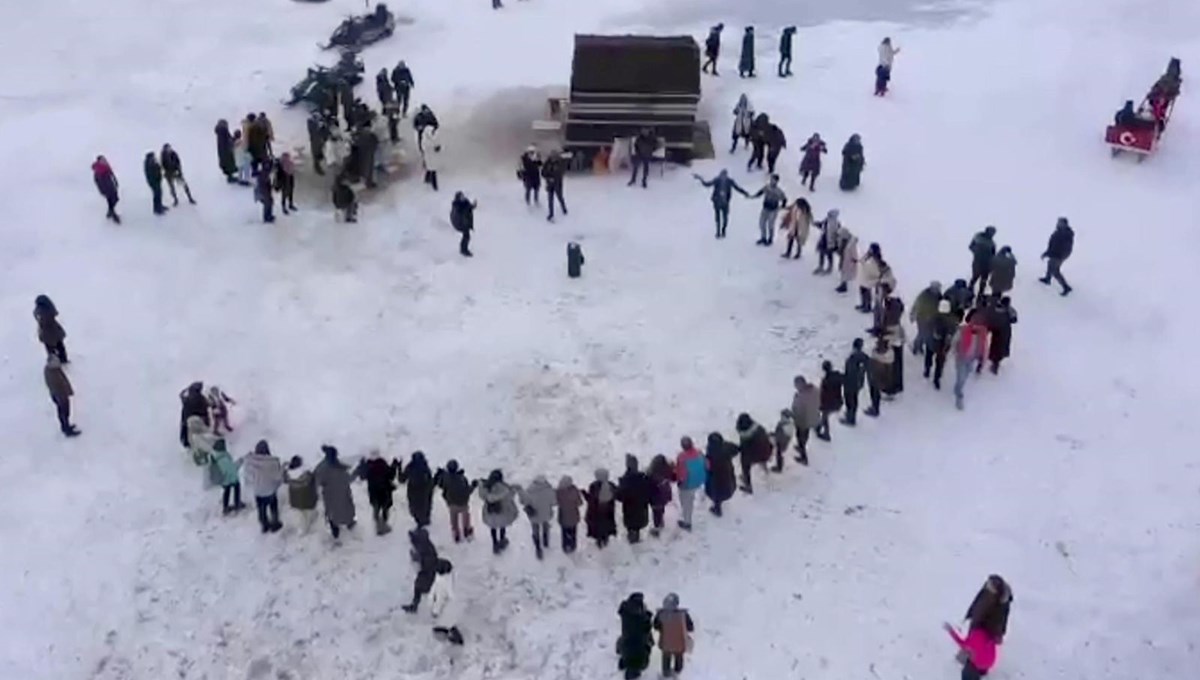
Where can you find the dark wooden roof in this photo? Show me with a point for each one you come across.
(636, 64)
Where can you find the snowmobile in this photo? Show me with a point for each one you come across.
(321, 82)
(358, 32)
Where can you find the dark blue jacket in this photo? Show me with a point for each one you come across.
(722, 189)
(1062, 242)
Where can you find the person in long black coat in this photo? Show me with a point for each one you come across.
(50, 331)
(154, 178)
(425, 555)
(1001, 325)
(225, 159)
(601, 512)
(776, 143)
(853, 161)
(785, 51)
(418, 481)
(746, 61)
(722, 479)
(380, 476)
(637, 638)
(712, 49)
(634, 490)
(318, 135)
(194, 403)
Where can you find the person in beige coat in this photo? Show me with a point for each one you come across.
(797, 221)
(60, 393)
(849, 262)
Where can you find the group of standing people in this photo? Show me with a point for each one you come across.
(246, 157)
(165, 166)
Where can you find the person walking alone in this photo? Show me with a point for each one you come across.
(883, 71)
(712, 49)
(462, 218)
(785, 52)
(50, 331)
(1062, 242)
(552, 171)
(746, 60)
(106, 184)
(810, 164)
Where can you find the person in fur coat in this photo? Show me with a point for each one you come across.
(743, 119)
(539, 499)
(797, 221)
(601, 513)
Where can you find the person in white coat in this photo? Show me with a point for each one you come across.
(869, 275)
(431, 158)
(743, 117)
(443, 605)
(883, 72)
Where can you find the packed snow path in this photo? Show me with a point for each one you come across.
(1071, 473)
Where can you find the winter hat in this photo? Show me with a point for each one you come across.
(261, 448)
(744, 421)
(935, 286)
(685, 443)
(419, 457)
(857, 344)
(960, 283)
(1062, 222)
(452, 465)
(715, 439)
(444, 567)
(601, 474)
(989, 230)
(540, 479)
(631, 463)
(566, 482)
(331, 453)
(827, 365)
(295, 462)
(43, 301)
(799, 381)
(671, 602)
(786, 413)
(944, 307)
(494, 477)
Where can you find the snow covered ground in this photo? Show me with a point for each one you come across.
(1072, 473)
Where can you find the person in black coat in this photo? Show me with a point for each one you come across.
(318, 135)
(530, 174)
(754, 448)
(425, 555)
(1001, 326)
(644, 146)
(960, 296)
(285, 182)
(832, 387)
(941, 335)
(785, 52)
(853, 161)
(50, 331)
(776, 143)
(402, 81)
(194, 403)
(418, 481)
(172, 169)
(367, 142)
(154, 178)
(552, 171)
(384, 89)
(422, 121)
(712, 49)
(380, 476)
(758, 140)
(1062, 242)
(462, 218)
(456, 491)
(264, 192)
(637, 637)
(746, 60)
(853, 377)
(225, 158)
(722, 479)
(600, 515)
(344, 200)
(634, 490)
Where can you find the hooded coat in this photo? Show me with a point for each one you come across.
(417, 479)
(499, 504)
(831, 391)
(1061, 243)
(797, 222)
(722, 478)
(813, 148)
(673, 625)
(333, 478)
(105, 178)
(662, 475)
(743, 117)
(637, 638)
(1004, 271)
(849, 265)
(1000, 323)
(601, 512)
(456, 490)
(989, 609)
(50, 332)
(853, 161)
(806, 406)
(569, 499)
(746, 60)
(754, 443)
(634, 491)
(539, 499)
(983, 249)
(262, 471)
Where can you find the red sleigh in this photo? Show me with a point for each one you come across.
(1141, 136)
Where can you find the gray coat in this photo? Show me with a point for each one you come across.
(499, 505)
(263, 474)
(806, 407)
(333, 478)
(569, 501)
(539, 500)
(1004, 272)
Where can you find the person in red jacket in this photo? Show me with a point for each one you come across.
(106, 184)
(979, 647)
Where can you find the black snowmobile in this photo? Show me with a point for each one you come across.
(356, 33)
(320, 82)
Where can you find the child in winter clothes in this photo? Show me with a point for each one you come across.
(302, 491)
(218, 406)
(691, 473)
(785, 432)
(661, 474)
(569, 499)
(224, 473)
(980, 649)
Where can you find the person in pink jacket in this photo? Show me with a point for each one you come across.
(980, 649)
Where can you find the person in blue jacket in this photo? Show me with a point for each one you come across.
(723, 187)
